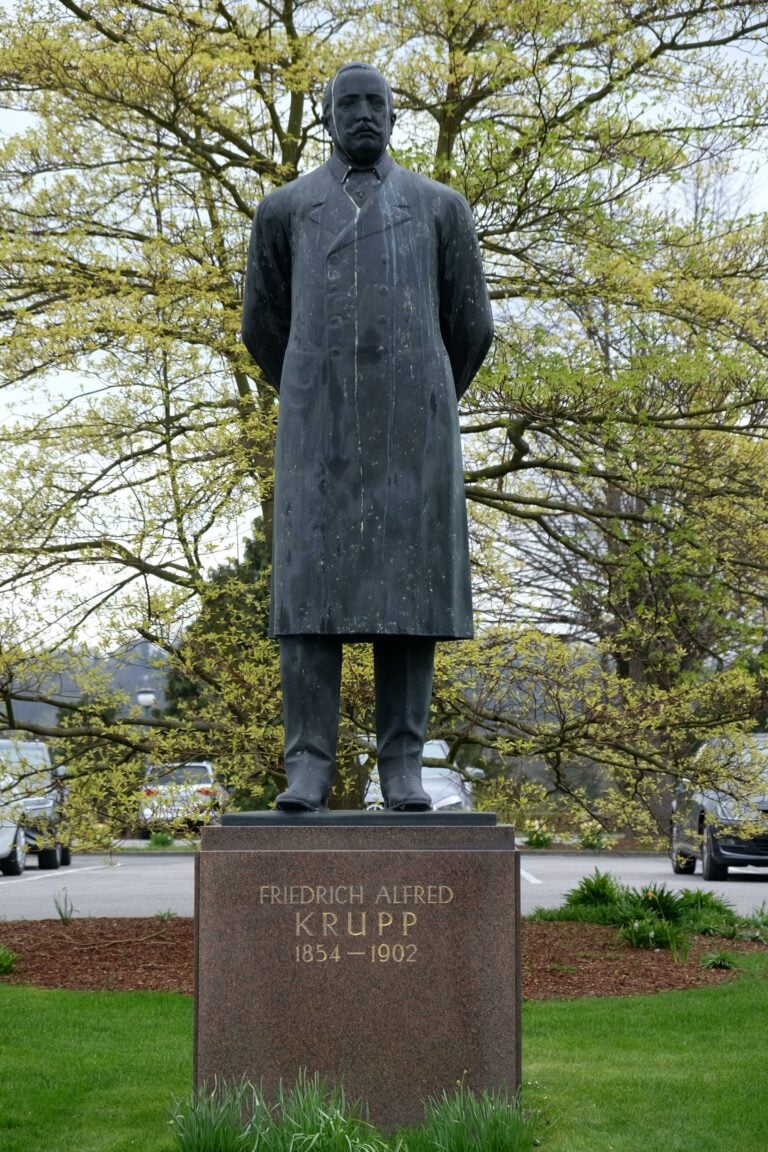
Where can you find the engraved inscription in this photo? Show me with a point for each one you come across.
(344, 922)
(354, 924)
(311, 894)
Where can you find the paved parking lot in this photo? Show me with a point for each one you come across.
(124, 884)
(143, 884)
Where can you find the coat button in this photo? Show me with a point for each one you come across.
(383, 290)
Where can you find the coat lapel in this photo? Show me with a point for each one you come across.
(336, 215)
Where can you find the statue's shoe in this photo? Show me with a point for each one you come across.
(308, 791)
(290, 801)
(404, 793)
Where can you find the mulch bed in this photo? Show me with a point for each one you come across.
(559, 960)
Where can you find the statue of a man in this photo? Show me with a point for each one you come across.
(366, 308)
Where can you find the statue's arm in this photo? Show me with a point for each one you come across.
(466, 320)
(267, 295)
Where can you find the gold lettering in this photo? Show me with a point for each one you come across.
(446, 894)
(322, 895)
(329, 924)
(362, 923)
(418, 894)
(274, 894)
(409, 919)
(385, 921)
(302, 922)
(383, 895)
(356, 894)
(307, 895)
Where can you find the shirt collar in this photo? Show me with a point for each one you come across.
(341, 169)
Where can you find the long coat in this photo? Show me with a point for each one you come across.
(370, 322)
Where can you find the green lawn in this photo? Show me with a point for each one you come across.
(97, 1072)
(677, 1072)
(91, 1071)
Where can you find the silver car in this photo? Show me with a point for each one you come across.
(724, 827)
(447, 787)
(31, 800)
(186, 794)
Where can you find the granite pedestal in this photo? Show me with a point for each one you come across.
(375, 949)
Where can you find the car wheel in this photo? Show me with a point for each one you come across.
(682, 863)
(49, 857)
(66, 856)
(711, 869)
(13, 864)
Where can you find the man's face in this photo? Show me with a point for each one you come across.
(360, 122)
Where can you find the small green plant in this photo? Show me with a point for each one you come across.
(220, 1119)
(8, 960)
(480, 1121)
(65, 909)
(706, 913)
(753, 934)
(160, 839)
(653, 900)
(706, 925)
(700, 900)
(651, 933)
(309, 1117)
(583, 913)
(166, 914)
(537, 835)
(756, 924)
(726, 960)
(598, 889)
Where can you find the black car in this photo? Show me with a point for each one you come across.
(725, 827)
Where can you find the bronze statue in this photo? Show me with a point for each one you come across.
(366, 308)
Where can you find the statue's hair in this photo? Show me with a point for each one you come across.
(328, 95)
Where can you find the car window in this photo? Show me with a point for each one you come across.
(24, 756)
(182, 774)
(28, 765)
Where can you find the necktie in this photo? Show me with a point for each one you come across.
(360, 183)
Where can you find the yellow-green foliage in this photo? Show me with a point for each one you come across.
(614, 443)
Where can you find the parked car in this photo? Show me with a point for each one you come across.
(447, 787)
(718, 826)
(31, 806)
(186, 793)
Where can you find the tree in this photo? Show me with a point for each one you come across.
(614, 447)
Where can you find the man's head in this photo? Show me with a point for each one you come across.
(358, 113)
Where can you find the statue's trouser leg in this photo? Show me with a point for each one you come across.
(403, 667)
(310, 672)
